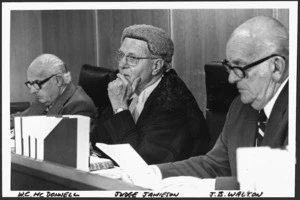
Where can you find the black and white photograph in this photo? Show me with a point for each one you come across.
(149, 99)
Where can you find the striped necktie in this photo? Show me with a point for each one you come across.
(261, 126)
(46, 110)
(133, 108)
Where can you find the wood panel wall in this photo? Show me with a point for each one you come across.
(71, 35)
(25, 45)
(92, 36)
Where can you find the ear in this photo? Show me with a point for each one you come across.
(278, 68)
(59, 80)
(157, 66)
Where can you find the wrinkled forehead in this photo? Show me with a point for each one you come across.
(37, 72)
(132, 45)
(242, 47)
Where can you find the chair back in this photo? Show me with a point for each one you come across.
(94, 80)
(220, 93)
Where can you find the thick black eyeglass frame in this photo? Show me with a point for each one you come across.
(120, 55)
(243, 69)
(41, 83)
(38, 82)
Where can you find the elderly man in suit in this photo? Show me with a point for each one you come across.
(50, 82)
(258, 63)
(151, 107)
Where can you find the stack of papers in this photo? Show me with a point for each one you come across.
(131, 163)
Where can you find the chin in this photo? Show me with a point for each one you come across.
(246, 100)
(254, 104)
(41, 100)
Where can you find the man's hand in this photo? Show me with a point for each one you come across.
(151, 179)
(120, 90)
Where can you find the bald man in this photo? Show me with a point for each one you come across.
(257, 62)
(50, 82)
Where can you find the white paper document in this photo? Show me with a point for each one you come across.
(268, 170)
(130, 161)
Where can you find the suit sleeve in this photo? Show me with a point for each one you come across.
(80, 108)
(212, 165)
(160, 138)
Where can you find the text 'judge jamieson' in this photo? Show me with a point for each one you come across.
(146, 194)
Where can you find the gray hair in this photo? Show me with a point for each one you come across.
(50, 64)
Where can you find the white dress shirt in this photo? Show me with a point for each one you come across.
(137, 104)
(269, 106)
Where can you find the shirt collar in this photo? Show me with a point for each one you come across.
(269, 106)
(142, 98)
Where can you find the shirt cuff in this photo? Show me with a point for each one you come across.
(156, 172)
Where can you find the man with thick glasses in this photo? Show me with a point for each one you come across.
(151, 107)
(258, 63)
(50, 82)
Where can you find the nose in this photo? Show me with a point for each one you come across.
(32, 90)
(232, 78)
(123, 64)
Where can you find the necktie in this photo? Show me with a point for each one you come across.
(132, 107)
(45, 111)
(135, 108)
(262, 119)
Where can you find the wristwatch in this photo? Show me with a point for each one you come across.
(119, 110)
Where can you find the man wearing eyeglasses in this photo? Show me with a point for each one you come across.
(258, 63)
(50, 82)
(152, 109)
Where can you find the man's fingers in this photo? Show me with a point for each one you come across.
(122, 78)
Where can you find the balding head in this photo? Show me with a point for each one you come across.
(260, 48)
(262, 36)
(48, 64)
(47, 77)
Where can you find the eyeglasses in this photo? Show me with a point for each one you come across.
(130, 60)
(241, 71)
(38, 84)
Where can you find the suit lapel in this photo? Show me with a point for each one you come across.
(61, 100)
(152, 97)
(147, 105)
(278, 119)
(249, 127)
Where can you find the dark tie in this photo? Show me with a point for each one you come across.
(262, 119)
(45, 111)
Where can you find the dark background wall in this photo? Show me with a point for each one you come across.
(92, 36)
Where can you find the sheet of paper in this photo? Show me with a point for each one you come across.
(129, 160)
(266, 169)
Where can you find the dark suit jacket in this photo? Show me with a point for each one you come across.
(73, 101)
(171, 126)
(239, 131)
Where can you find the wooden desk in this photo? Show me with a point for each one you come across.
(30, 174)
